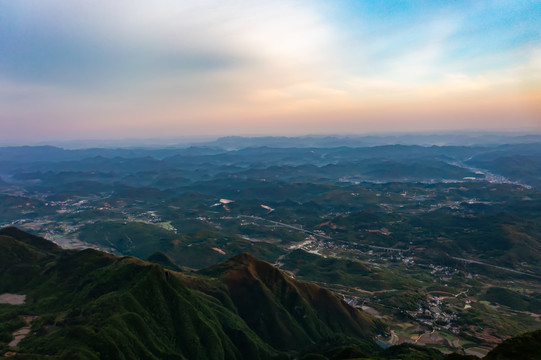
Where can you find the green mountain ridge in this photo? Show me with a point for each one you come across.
(93, 305)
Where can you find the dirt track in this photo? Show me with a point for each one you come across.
(22, 332)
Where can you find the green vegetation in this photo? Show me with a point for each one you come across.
(9, 322)
(392, 229)
(347, 272)
(513, 299)
(524, 346)
(94, 305)
(194, 250)
(132, 238)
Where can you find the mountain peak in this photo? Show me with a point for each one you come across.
(297, 312)
(244, 258)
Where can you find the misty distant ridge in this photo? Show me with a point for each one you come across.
(450, 139)
(309, 159)
(320, 141)
(252, 146)
(500, 143)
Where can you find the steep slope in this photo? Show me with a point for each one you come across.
(286, 313)
(524, 346)
(93, 305)
(20, 257)
(29, 239)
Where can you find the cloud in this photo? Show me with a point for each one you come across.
(134, 67)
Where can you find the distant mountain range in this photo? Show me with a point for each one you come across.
(455, 138)
(443, 139)
(334, 160)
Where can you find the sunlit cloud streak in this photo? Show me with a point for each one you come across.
(113, 69)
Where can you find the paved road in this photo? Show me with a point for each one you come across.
(387, 248)
(293, 227)
(469, 261)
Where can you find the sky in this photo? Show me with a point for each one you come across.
(101, 69)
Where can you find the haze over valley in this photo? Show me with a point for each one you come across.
(437, 245)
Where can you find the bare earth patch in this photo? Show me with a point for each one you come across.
(371, 311)
(477, 351)
(12, 299)
(219, 250)
(22, 332)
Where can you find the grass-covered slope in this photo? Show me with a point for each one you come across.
(195, 250)
(284, 312)
(352, 273)
(93, 305)
(21, 258)
(524, 346)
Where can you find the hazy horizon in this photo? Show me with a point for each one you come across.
(419, 138)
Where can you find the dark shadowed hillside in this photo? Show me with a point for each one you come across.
(284, 312)
(523, 346)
